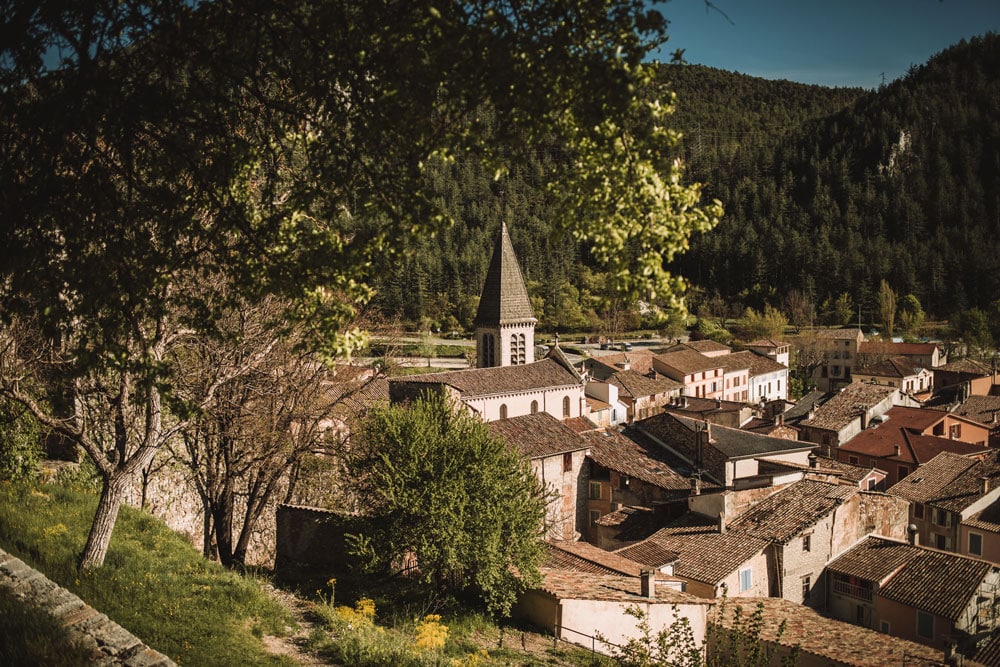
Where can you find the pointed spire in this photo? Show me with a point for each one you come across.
(504, 298)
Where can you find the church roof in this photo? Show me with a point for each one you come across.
(504, 298)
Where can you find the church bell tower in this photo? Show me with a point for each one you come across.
(505, 323)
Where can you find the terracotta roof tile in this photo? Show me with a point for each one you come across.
(873, 558)
(766, 342)
(538, 435)
(586, 557)
(984, 410)
(970, 366)
(641, 460)
(838, 333)
(832, 641)
(499, 380)
(949, 481)
(937, 582)
(574, 585)
(636, 385)
(902, 430)
(757, 364)
(896, 367)
(787, 513)
(708, 345)
(896, 349)
(847, 404)
(731, 442)
(702, 552)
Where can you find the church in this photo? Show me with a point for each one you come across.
(507, 381)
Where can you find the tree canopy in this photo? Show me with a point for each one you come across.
(154, 151)
(437, 485)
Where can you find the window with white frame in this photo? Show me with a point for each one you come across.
(746, 579)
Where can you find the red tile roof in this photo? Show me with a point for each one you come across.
(937, 582)
(847, 405)
(903, 429)
(586, 557)
(574, 585)
(787, 513)
(689, 361)
(644, 461)
(833, 642)
(949, 481)
(896, 367)
(538, 435)
(473, 382)
(895, 349)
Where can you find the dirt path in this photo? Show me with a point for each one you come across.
(294, 644)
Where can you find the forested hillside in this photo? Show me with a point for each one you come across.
(826, 191)
(903, 184)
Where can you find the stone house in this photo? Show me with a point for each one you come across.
(834, 353)
(909, 438)
(707, 556)
(557, 455)
(724, 413)
(767, 379)
(984, 410)
(807, 523)
(845, 413)
(632, 471)
(772, 349)
(900, 372)
(946, 491)
(726, 456)
(920, 594)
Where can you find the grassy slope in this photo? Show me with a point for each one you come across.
(154, 583)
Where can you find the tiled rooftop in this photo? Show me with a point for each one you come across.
(848, 404)
(707, 345)
(639, 361)
(881, 442)
(538, 435)
(473, 382)
(832, 641)
(970, 366)
(837, 333)
(766, 342)
(575, 585)
(636, 385)
(888, 348)
(949, 481)
(845, 471)
(731, 442)
(702, 552)
(586, 557)
(787, 513)
(641, 460)
(692, 405)
(896, 367)
(937, 582)
(982, 409)
(758, 364)
(873, 558)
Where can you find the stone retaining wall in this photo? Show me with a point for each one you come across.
(111, 644)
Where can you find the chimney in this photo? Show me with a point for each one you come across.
(684, 401)
(812, 413)
(895, 450)
(911, 534)
(648, 583)
(813, 460)
(722, 522)
(951, 655)
(696, 485)
(984, 485)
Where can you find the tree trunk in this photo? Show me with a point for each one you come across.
(222, 517)
(112, 496)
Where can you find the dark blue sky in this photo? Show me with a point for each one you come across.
(827, 42)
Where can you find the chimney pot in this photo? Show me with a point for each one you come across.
(813, 460)
(911, 534)
(722, 522)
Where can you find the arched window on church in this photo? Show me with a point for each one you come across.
(503, 411)
(565, 406)
(489, 350)
(534, 407)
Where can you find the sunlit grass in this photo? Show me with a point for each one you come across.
(153, 582)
